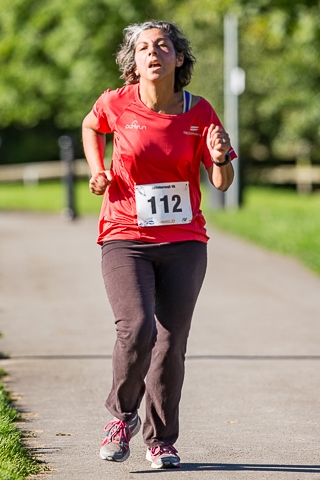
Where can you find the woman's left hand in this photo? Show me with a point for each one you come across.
(218, 142)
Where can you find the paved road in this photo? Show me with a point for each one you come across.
(250, 407)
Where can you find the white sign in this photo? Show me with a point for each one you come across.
(237, 81)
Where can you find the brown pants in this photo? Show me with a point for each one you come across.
(152, 290)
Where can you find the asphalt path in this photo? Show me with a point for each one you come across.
(250, 407)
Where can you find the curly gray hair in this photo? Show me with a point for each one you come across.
(125, 56)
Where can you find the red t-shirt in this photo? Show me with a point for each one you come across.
(151, 148)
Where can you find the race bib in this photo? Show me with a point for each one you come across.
(163, 204)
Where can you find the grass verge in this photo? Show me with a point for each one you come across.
(278, 219)
(16, 462)
(49, 196)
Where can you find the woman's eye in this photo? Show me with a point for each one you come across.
(164, 46)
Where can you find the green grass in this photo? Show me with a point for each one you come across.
(277, 219)
(47, 197)
(16, 462)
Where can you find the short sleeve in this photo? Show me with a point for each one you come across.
(100, 109)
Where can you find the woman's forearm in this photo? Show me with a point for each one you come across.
(94, 144)
(221, 177)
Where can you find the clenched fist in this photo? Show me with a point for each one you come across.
(100, 181)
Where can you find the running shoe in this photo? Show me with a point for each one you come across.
(115, 446)
(163, 456)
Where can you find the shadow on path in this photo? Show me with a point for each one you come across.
(246, 467)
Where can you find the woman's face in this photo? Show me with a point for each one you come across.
(155, 56)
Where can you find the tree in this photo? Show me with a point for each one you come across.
(279, 45)
(279, 50)
(57, 56)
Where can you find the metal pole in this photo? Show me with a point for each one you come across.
(66, 156)
(233, 86)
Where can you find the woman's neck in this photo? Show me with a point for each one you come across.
(161, 99)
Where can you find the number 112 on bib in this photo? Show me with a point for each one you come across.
(161, 204)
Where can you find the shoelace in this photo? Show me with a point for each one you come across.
(161, 449)
(117, 431)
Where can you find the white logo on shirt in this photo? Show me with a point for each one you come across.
(193, 131)
(135, 126)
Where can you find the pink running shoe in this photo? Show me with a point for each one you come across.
(115, 446)
(163, 456)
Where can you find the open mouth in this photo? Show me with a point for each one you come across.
(154, 64)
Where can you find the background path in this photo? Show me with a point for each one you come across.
(250, 406)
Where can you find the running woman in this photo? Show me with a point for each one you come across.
(151, 228)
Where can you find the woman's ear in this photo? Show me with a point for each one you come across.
(179, 59)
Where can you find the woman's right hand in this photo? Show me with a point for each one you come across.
(100, 181)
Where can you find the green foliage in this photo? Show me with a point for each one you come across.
(56, 57)
(279, 43)
(279, 113)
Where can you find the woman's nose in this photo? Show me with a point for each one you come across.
(152, 49)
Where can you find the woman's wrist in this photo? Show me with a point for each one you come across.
(225, 162)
